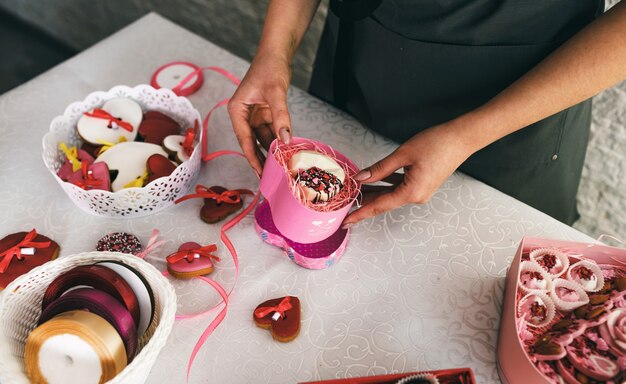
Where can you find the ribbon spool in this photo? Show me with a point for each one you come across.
(76, 347)
(142, 289)
(101, 304)
(97, 277)
(173, 76)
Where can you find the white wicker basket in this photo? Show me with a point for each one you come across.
(129, 202)
(20, 308)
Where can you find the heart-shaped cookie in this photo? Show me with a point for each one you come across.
(73, 161)
(156, 126)
(217, 209)
(218, 202)
(129, 159)
(181, 146)
(281, 316)
(192, 260)
(20, 252)
(117, 118)
(159, 166)
(92, 176)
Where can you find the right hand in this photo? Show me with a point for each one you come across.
(258, 109)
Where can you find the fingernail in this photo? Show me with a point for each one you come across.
(347, 225)
(284, 135)
(363, 175)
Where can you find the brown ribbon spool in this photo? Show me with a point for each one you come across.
(98, 277)
(90, 329)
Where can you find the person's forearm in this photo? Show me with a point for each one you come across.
(591, 61)
(286, 22)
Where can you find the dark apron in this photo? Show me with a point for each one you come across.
(399, 77)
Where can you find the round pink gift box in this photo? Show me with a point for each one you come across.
(295, 221)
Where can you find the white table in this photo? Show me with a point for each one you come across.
(419, 288)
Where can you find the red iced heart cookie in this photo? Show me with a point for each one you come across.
(159, 166)
(192, 260)
(156, 126)
(218, 202)
(281, 316)
(23, 251)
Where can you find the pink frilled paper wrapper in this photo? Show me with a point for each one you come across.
(312, 238)
(515, 365)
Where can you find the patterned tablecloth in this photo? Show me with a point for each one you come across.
(418, 288)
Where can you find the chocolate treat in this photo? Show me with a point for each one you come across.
(20, 252)
(120, 242)
(281, 316)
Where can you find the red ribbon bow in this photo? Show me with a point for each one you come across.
(190, 135)
(283, 306)
(228, 197)
(190, 254)
(102, 114)
(88, 181)
(16, 251)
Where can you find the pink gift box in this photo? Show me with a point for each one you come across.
(514, 365)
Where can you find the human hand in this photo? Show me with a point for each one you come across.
(258, 109)
(428, 159)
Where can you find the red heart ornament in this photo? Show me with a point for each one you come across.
(281, 316)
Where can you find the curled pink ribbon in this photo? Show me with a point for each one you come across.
(281, 308)
(16, 251)
(153, 244)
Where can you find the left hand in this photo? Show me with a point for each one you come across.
(428, 159)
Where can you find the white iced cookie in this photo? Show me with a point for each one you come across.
(319, 176)
(117, 118)
(181, 146)
(129, 159)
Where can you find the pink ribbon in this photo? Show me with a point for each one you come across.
(281, 308)
(104, 115)
(16, 250)
(182, 91)
(153, 244)
(190, 254)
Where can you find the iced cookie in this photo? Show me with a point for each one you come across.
(129, 159)
(117, 118)
(156, 126)
(23, 251)
(218, 202)
(319, 176)
(92, 176)
(192, 260)
(181, 146)
(73, 161)
(159, 166)
(281, 316)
